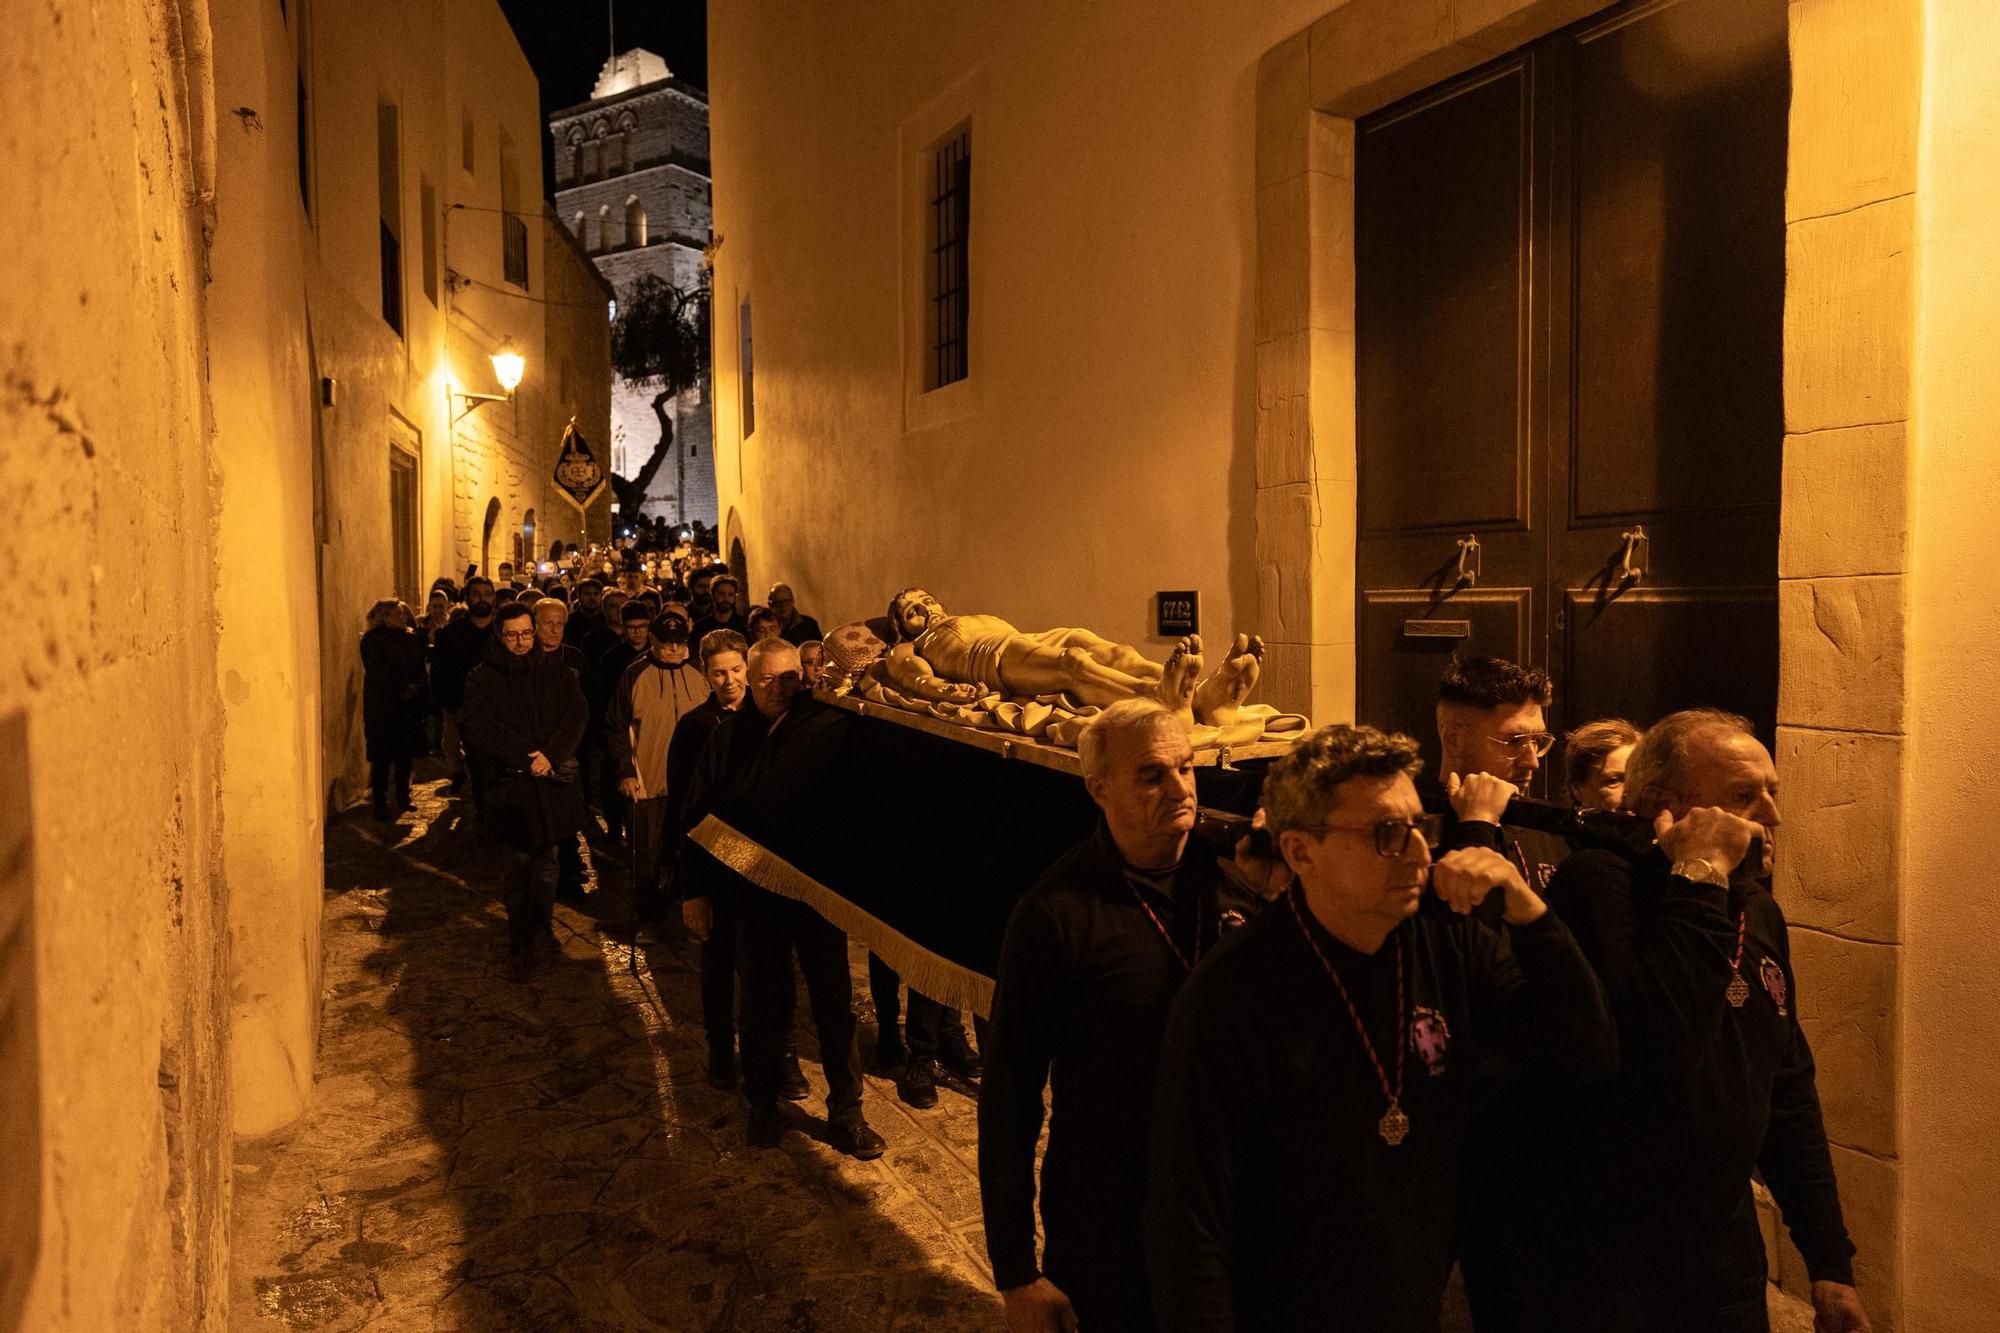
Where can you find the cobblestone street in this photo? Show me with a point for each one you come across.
(489, 1154)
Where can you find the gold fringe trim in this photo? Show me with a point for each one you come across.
(927, 973)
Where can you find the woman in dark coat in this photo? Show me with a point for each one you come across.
(393, 700)
(523, 718)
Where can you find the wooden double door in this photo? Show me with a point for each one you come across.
(1569, 309)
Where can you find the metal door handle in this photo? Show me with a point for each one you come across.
(1468, 561)
(1636, 556)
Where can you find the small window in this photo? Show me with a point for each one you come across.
(749, 385)
(580, 229)
(403, 522)
(427, 197)
(389, 188)
(513, 228)
(635, 222)
(468, 157)
(950, 274)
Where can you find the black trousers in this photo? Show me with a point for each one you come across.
(928, 1020)
(530, 892)
(769, 929)
(649, 861)
(718, 981)
(389, 781)
(617, 810)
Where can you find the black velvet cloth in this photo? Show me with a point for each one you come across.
(937, 838)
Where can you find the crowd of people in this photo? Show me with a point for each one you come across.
(1401, 1028)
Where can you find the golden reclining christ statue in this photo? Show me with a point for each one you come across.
(983, 671)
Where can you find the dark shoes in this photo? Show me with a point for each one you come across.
(889, 1056)
(722, 1070)
(853, 1137)
(956, 1054)
(765, 1129)
(917, 1085)
(792, 1085)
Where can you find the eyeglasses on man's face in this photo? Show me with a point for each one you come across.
(517, 635)
(1392, 836)
(1521, 742)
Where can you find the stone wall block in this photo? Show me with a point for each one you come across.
(1332, 379)
(1287, 679)
(1842, 667)
(1284, 442)
(1332, 697)
(1366, 55)
(1330, 145)
(1330, 203)
(1869, 1192)
(1500, 26)
(1846, 502)
(1282, 112)
(1847, 317)
(1284, 264)
(1283, 369)
(1857, 64)
(1847, 1006)
(1285, 536)
(1840, 860)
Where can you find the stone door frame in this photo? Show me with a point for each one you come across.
(1843, 547)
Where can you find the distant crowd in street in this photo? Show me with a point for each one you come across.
(1405, 1026)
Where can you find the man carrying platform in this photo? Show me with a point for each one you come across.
(762, 773)
(1319, 1070)
(1093, 955)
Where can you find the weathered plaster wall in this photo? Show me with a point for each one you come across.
(1104, 449)
(266, 573)
(109, 704)
(1950, 1003)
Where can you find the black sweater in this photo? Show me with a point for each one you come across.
(1653, 1172)
(1079, 1006)
(1275, 1202)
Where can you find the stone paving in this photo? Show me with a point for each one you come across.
(484, 1153)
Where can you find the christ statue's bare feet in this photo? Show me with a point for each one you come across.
(1217, 699)
(1183, 671)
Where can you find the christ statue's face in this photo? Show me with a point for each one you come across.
(917, 611)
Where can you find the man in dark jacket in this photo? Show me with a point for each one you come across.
(1644, 1220)
(1093, 955)
(794, 626)
(646, 707)
(762, 773)
(724, 593)
(723, 664)
(1319, 1071)
(551, 624)
(586, 614)
(392, 706)
(460, 646)
(523, 715)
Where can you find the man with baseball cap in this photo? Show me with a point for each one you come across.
(646, 703)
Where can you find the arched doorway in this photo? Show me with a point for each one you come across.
(486, 537)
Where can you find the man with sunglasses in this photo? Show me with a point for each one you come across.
(1319, 1069)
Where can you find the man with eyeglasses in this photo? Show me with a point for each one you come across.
(1493, 734)
(1320, 1069)
(523, 717)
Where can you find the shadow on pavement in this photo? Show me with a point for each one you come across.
(494, 1153)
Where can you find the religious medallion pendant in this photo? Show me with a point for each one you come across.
(1395, 1126)
(1738, 992)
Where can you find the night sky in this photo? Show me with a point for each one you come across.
(568, 41)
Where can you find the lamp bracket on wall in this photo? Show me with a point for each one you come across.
(472, 402)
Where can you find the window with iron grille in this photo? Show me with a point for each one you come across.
(950, 278)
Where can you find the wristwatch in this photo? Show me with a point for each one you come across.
(1702, 871)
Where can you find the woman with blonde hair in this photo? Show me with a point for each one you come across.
(393, 696)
